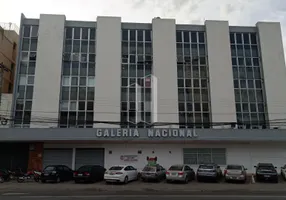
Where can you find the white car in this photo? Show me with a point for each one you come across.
(121, 173)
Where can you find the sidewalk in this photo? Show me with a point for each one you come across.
(140, 187)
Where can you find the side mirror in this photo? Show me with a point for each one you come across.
(255, 166)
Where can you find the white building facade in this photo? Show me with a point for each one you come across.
(110, 74)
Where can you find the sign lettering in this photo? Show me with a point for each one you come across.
(150, 133)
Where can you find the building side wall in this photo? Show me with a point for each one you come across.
(248, 155)
(273, 64)
(48, 71)
(220, 72)
(108, 70)
(165, 69)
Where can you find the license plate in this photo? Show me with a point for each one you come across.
(79, 174)
(174, 174)
(266, 176)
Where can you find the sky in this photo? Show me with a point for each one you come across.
(237, 12)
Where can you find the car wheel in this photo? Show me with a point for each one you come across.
(186, 180)
(126, 180)
(58, 179)
(1, 179)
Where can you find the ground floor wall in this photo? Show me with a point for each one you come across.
(246, 154)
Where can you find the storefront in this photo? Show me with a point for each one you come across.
(107, 147)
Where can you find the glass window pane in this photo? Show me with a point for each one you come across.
(23, 80)
(91, 81)
(66, 81)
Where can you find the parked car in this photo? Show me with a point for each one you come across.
(283, 172)
(266, 172)
(56, 173)
(180, 173)
(5, 174)
(235, 173)
(209, 172)
(121, 173)
(89, 173)
(153, 172)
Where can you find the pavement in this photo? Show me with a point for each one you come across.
(70, 189)
(146, 197)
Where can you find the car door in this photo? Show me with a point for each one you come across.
(134, 172)
(128, 172)
(61, 172)
(187, 170)
(69, 173)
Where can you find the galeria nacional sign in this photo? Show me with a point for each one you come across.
(150, 133)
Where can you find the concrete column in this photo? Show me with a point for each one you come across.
(273, 64)
(73, 158)
(108, 70)
(220, 72)
(165, 69)
(47, 83)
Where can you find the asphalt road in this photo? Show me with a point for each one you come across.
(146, 197)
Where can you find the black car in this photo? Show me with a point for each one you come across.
(5, 174)
(89, 173)
(56, 173)
(266, 172)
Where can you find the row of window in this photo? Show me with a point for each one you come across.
(196, 156)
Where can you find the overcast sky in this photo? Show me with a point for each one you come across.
(237, 12)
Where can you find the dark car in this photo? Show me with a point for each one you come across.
(89, 173)
(5, 174)
(209, 172)
(266, 172)
(153, 172)
(56, 173)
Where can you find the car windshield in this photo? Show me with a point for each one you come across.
(149, 169)
(206, 166)
(117, 168)
(50, 168)
(176, 168)
(234, 167)
(84, 169)
(262, 168)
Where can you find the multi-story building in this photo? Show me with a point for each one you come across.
(105, 91)
(9, 35)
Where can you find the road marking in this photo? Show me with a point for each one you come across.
(13, 194)
(164, 196)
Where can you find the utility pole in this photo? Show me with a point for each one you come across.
(3, 68)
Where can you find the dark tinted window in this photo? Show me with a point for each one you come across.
(236, 167)
(116, 168)
(85, 169)
(206, 166)
(50, 168)
(149, 169)
(176, 168)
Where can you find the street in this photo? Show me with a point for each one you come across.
(147, 197)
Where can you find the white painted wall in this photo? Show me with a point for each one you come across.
(5, 109)
(168, 154)
(48, 70)
(273, 63)
(165, 69)
(220, 72)
(108, 70)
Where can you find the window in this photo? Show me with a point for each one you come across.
(197, 156)
(136, 69)
(192, 68)
(26, 81)
(248, 87)
(78, 79)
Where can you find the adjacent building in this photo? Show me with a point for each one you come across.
(109, 92)
(9, 35)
